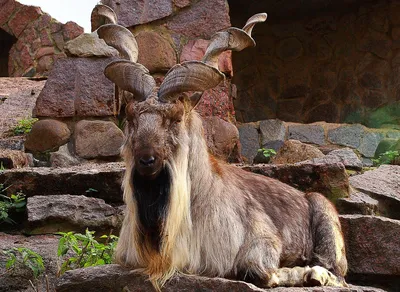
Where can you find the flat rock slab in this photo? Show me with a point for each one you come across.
(357, 203)
(329, 179)
(17, 280)
(372, 244)
(50, 214)
(382, 184)
(94, 180)
(17, 99)
(115, 278)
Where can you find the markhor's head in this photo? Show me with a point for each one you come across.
(156, 116)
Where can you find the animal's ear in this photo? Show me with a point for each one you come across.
(102, 14)
(199, 76)
(132, 77)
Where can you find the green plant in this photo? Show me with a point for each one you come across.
(24, 126)
(268, 153)
(8, 204)
(387, 157)
(25, 257)
(83, 250)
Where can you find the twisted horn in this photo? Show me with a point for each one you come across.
(102, 14)
(200, 76)
(132, 77)
(120, 38)
(126, 74)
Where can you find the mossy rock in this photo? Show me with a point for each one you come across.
(386, 145)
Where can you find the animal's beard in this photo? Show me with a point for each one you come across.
(152, 197)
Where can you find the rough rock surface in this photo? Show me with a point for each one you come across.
(195, 49)
(372, 244)
(130, 13)
(273, 133)
(357, 203)
(248, 134)
(19, 96)
(155, 52)
(382, 184)
(89, 45)
(50, 214)
(77, 180)
(346, 156)
(94, 139)
(18, 279)
(47, 135)
(293, 151)
(13, 159)
(314, 134)
(63, 158)
(222, 137)
(329, 179)
(349, 135)
(77, 87)
(116, 278)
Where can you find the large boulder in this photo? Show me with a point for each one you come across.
(314, 134)
(249, 140)
(77, 87)
(89, 45)
(47, 135)
(50, 214)
(372, 246)
(116, 278)
(383, 185)
(329, 179)
(273, 134)
(97, 139)
(293, 151)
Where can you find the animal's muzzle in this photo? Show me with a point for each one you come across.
(148, 164)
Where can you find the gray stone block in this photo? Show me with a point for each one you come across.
(369, 143)
(347, 135)
(307, 133)
(249, 140)
(273, 134)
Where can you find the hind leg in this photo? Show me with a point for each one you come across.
(329, 249)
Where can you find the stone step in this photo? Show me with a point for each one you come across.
(357, 203)
(93, 180)
(50, 214)
(372, 249)
(104, 180)
(116, 278)
(383, 185)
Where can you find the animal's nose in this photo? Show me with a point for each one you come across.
(147, 161)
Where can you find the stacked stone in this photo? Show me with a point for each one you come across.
(78, 94)
(40, 38)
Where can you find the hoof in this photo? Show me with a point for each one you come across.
(319, 276)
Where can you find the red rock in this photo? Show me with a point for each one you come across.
(44, 51)
(155, 52)
(130, 13)
(203, 19)
(47, 135)
(59, 40)
(195, 49)
(23, 17)
(26, 58)
(44, 64)
(181, 3)
(29, 35)
(93, 139)
(77, 87)
(71, 30)
(45, 38)
(44, 21)
(217, 102)
(7, 9)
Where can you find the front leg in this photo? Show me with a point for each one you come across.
(303, 276)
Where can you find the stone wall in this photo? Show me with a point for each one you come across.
(39, 38)
(335, 66)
